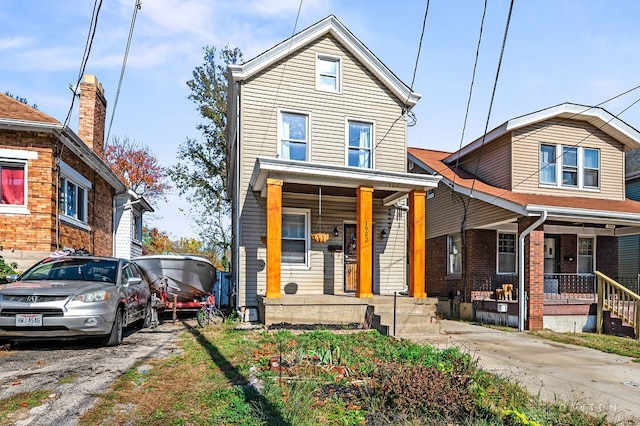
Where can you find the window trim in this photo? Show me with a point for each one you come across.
(515, 253)
(333, 58)
(560, 167)
(134, 229)
(280, 132)
(307, 236)
(592, 255)
(18, 157)
(68, 174)
(449, 265)
(372, 152)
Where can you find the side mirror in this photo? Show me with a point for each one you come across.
(134, 281)
(11, 278)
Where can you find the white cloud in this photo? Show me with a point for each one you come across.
(14, 43)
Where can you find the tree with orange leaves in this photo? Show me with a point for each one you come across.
(137, 167)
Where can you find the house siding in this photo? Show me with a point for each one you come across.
(491, 163)
(526, 153)
(629, 247)
(289, 85)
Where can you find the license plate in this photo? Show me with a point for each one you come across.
(28, 320)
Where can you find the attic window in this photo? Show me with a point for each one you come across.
(328, 71)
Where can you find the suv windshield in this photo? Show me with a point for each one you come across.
(74, 270)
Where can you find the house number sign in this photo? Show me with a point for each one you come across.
(366, 231)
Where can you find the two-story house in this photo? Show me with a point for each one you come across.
(323, 209)
(537, 203)
(56, 191)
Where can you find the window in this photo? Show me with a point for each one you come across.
(506, 253)
(73, 201)
(359, 144)
(12, 183)
(454, 260)
(576, 167)
(136, 227)
(294, 131)
(295, 231)
(585, 255)
(328, 73)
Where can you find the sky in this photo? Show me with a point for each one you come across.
(580, 51)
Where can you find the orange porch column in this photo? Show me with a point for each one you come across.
(274, 237)
(417, 231)
(364, 242)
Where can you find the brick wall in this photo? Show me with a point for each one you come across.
(534, 273)
(607, 255)
(568, 247)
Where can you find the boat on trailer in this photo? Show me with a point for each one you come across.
(182, 280)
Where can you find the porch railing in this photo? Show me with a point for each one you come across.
(484, 286)
(620, 301)
(569, 287)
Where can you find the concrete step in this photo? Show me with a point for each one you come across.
(404, 323)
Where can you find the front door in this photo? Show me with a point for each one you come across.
(551, 258)
(350, 258)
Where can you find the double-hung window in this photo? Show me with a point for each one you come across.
(454, 259)
(506, 253)
(569, 166)
(585, 255)
(328, 73)
(13, 179)
(74, 190)
(136, 226)
(360, 144)
(295, 236)
(294, 136)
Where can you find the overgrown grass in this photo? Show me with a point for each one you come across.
(231, 377)
(611, 344)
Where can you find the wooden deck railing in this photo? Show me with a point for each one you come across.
(620, 301)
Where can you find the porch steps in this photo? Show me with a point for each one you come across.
(412, 316)
(615, 326)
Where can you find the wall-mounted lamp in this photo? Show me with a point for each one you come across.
(568, 258)
(383, 233)
(335, 231)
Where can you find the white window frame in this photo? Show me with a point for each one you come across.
(13, 158)
(136, 226)
(338, 77)
(68, 174)
(592, 255)
(579, 168)
(307, 236)
(281, 112)
(450, 271)
(515, 253)
(372, 151)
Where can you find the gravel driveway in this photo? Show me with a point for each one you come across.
(75, 372)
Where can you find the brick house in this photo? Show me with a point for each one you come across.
(538, 203)
(56, 191)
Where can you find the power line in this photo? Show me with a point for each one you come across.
(136, 7)
(85, 57)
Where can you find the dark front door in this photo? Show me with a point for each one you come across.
(350, 258)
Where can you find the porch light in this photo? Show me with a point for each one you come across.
(335, 231)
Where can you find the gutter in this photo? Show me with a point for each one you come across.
(522, 311)
(236, 262)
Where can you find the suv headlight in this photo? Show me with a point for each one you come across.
(93, 296)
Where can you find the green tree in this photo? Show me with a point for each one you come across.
(201, 171)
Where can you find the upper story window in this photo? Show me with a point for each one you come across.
(295, 236)
(360, 144)
(575, 167)
(136, 227)
(74, 189)
(294, 136)
(328, 73)
(14, 179)
(454, 259)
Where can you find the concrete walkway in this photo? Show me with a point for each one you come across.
(587, 379)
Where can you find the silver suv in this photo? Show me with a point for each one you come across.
(75, 297)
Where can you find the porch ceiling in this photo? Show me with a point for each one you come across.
(304, 177)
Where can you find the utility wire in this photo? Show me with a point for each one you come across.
(493, 94)
(93, 25)
(136, 7)
(473, 78)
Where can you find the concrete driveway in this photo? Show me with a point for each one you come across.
(588, 379)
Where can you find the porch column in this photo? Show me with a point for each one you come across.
(534, 274)
(274, 237)
(364, 241)
(417, 226)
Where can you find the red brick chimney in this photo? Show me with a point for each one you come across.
(93, 113)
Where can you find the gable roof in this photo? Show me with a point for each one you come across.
(12, 109)
(626, 212)
(596, 116)
(329, 25)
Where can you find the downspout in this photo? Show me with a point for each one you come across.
(113, 226)
(521, 295)
(236, 262)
